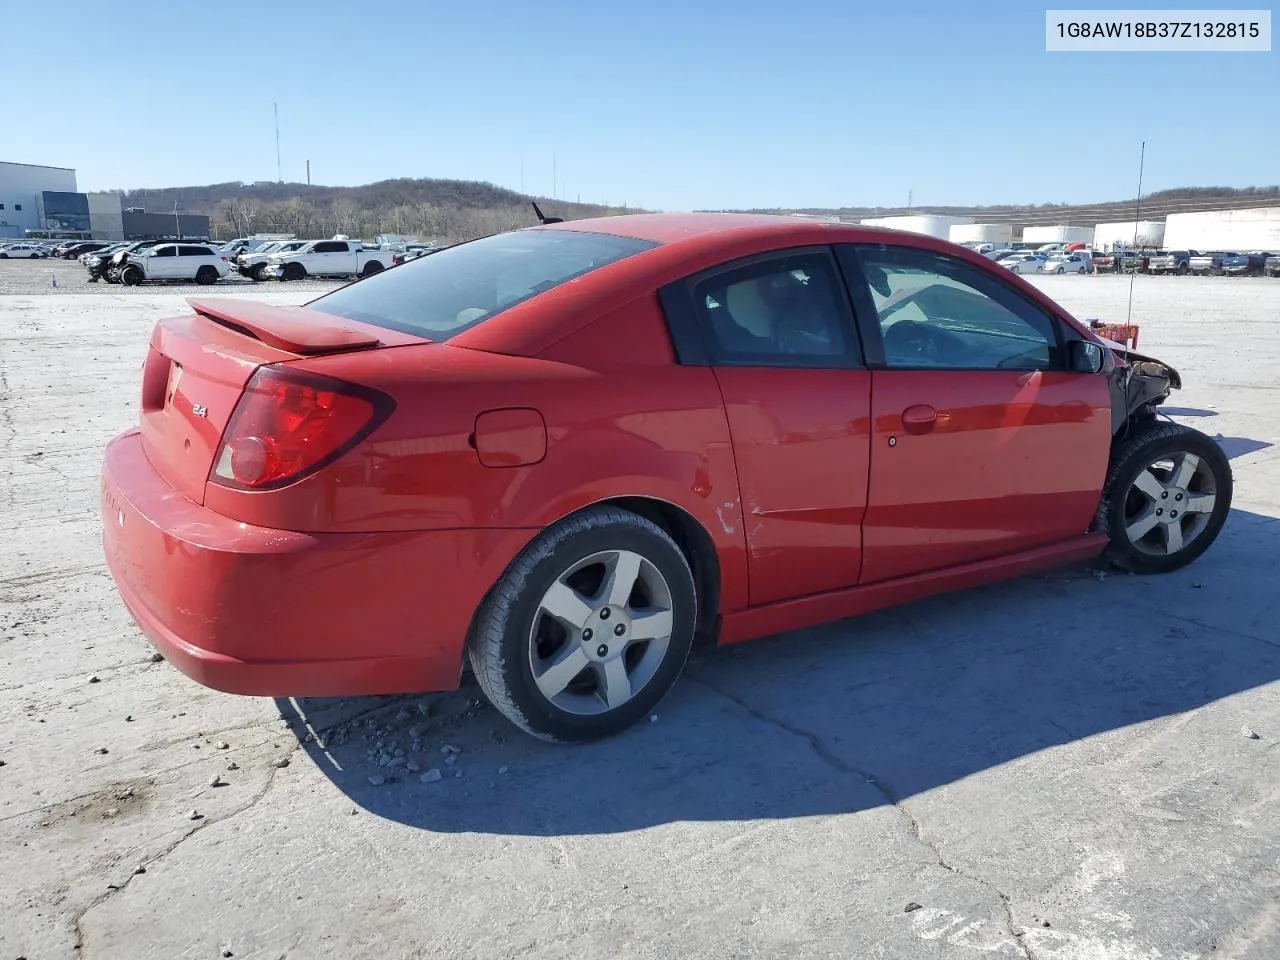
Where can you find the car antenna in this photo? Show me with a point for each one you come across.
(544, 220)
(1137, 215)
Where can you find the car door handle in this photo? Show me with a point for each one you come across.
(919, 418)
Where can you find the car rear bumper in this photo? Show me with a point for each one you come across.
(252, 610)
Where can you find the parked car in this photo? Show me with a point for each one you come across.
(327, 258)
(251, 264)
(1213, 262)
(1171, 261)
(23, 251)
(1104, 262)
(1079, 262)
(571, 449)
(412, 252)
(1023, 263)
(76, 249)
(109, 266)
(1272, 265)
(1245, 264)
(175, 261)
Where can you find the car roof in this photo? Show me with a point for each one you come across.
(683, 227)
(687, 243)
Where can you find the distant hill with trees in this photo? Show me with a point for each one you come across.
(437, 210)
(453, 210)
(1155, 206)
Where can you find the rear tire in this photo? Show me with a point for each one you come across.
(1167, 495)
(372, 267)
(563, 655)
(206, 275)
(131, 276)
(256, 271)
(293, 271)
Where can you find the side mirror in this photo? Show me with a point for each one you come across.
(1086, 356)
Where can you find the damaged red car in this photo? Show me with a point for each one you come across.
(556, 458)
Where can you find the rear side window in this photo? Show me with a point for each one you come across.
(194, 252)
(439, 296)
(330, 247)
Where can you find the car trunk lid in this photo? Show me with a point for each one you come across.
(197, 367)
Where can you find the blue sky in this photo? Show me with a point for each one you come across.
(661, 104)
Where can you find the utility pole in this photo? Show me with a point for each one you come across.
(276, 108)
(909, 196)
(177, 224)
(308, 173)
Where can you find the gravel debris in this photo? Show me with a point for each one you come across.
(912, 907)
(451, 759)
(1249, 733)
(94, 679)
(101, 750)
(431, 776)
(194, 814)
(217, 781)
(503, 769)
(450, 748)
(412, 766)
(139, 869)
(280, 762)
(377, 780)
(156, 657)
(233, 765)
(222, 745)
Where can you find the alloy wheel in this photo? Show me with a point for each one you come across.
(600, 633)
(1170, 504)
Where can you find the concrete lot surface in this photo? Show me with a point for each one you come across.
(1074, 766)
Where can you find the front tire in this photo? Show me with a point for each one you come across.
(588, 629)
(293, 271)
(131, 276)
(1167, 495)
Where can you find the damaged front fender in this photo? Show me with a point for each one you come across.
(1138, 384)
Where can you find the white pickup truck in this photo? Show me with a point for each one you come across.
(327, 258)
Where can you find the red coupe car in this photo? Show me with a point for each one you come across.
(562, 454)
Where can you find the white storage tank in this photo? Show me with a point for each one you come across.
(997, 233)
(1238, 230)
(1059, 233)
(932, 226)
(1107, 236)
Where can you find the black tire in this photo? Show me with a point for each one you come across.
(293, 271)
(502, 639)
(206, 275)
(1121, 500)
(256, 271)
(3, 255)
(131, 276)
(372, 267)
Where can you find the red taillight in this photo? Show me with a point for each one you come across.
(289, 424)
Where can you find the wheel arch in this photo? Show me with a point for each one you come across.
(690, 535)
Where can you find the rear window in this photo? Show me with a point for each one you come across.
(439, 296)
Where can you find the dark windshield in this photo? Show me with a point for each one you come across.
(439, 296)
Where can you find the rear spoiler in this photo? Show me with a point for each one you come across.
(295, 329)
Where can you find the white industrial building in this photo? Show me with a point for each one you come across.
(997, 233)
(22, 190)
(1058, 233)
(1109, 236)
(1257, 228)
(932, 226)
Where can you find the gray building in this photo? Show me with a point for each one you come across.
(138, 224)
(29, 193)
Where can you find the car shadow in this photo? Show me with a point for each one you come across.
(1235, 447)
(836, 719)
(1187, 412)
